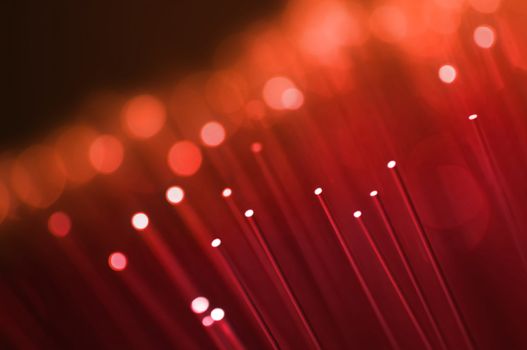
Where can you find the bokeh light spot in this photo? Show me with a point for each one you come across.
(216, 242)
(484, 37)
(140, 221)
(485, 6)
(144, 116)
(117, 261)
(175, 195)
(292, 98)
(184, 158)
(199, 305)
(59, 224)
(447, 74)
(106, 154)
(227, 192)
(212, 134)
(273, 92)
(217, 314)
(207, 321)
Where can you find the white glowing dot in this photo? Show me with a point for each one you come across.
(140, 221)
(249, 213)
(207, 321)
(217, 314)
(318, 191)
(175, 194)
(373, 193)
(199, 305)
(447, 74)
(484, 37)
(226, 192)
(391, 164)
(472, 116)
(215, 242)
(357, 214)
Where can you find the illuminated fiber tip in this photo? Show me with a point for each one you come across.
(59, 224)
(249, 213)
(216, 242)
(484, 37)
(447, 74)
(199, 305)
(373, 193)
(140, 221)
(227, 192)
(212, 134)
(207, 321)
(391, 164)
(175, 195)
(357, 214)
(472, 117)
(117, 261)
(317, 191)
(256, 147)
(217, 314)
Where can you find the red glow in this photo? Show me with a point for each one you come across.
(144, 116)
(59, 224)
(213, 134)
(389, 23)
(106, 154)
(117, 261)
(292, 98)
(184, 158)
(256, 147)
(485, 6)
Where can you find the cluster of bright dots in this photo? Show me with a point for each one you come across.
(200, 305)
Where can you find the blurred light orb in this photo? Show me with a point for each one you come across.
(212, 134)
(357, 214)
(38, 176)
(227, 192)
(292, 98)
(389, 23)
(59, 224)
(485, 6)
(175, 195)
(447, 74)
(484, 37)
(207, 321)
(106, 154)
(144, 116)
(256, 147)
(318, 191)
(140, 221)
(117, 261)
(199, 305)
(217, 314)
(249, 213)
(391, 164)
(216, 242)
(73, 149)
(184, 158)
(373, 193)
(472, 117)
(273, 94)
